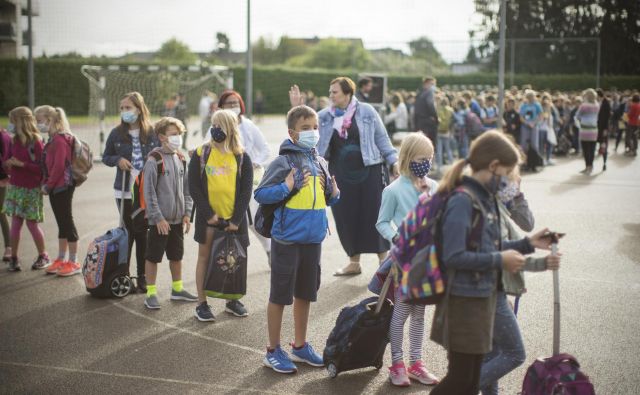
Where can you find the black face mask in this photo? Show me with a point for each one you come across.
(217, 134)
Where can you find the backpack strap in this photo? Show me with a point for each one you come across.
(159, 161)
(204, 157)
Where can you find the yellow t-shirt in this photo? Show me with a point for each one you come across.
(221, 170)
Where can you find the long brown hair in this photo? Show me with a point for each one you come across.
(491, 145)
(26, 129)
(146, 128)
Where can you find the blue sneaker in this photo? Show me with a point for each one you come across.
(307, 354)
(279, 361)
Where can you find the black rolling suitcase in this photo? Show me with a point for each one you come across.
(105, 269)
(360, 336)
(534, 159)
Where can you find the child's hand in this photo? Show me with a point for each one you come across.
(231, 228)
(124, 164)
(295, 98)
(186, 223)
(213, 220)
(553, 261)
(512, 261)
(335, 192)
(163, 227)
(539, 240)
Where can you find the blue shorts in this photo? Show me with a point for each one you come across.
(295, 271)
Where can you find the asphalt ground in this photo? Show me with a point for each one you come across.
(55, 338)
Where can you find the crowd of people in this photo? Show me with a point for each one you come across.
(340, 157)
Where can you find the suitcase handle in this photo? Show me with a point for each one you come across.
(125, 173)
(383, 293)
(556, 305)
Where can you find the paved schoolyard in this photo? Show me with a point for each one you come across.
(54, 338)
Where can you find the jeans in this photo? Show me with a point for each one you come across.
(463, 146)
(444, 142)
(529, 135)
(508, 350)
(589, 152)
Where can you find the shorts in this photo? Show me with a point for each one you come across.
(295, 271)
(157, 244)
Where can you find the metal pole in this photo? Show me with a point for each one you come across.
(503, 28)
(248, 99)
(598, 53)
(102, 108)
(513, 62)
(30, 73)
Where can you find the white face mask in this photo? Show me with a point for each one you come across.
(235, 110)
(43, 128)
(174, 142)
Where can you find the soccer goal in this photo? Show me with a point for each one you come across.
(167, 90)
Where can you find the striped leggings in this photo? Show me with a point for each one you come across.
(401, 312)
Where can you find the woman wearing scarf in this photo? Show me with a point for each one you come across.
(354, 141)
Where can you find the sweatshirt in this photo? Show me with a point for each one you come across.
(57, 159)
(30, 175)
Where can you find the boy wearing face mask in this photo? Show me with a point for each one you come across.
(168, 210)
(299, 227)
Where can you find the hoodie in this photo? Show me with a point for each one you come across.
(57, 156)
(303, 219)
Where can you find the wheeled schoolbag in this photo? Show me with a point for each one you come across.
(139, 203)
(416, 268)
(556, 375)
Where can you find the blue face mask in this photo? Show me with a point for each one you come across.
(11, 128)
(308, 138)
(497, 183)
(421, 168)
(129, 116)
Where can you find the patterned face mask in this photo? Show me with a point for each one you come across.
(509, 192)
(421, 168)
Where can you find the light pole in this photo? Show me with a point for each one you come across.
(503, 28)
(30, 72)
(249, 83)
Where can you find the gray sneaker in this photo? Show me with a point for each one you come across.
(151, 302)
(236, 308)
(183, 295)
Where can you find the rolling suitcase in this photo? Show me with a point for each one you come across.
(559, 374)
(534, 159)
(105, 269)
(360, 336)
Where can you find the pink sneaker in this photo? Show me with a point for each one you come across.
(419, 372)
(398, 375)
(69, 269)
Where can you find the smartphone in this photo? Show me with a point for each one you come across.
(554, 236)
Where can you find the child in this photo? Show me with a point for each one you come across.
(222, 192)
(24, 200)
(59, 185)
(463, 322)
(299, 227)
(168, 210)
(445, 125)
(512, 119)
(400, 197)
(460, 117)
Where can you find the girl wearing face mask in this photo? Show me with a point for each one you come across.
(127, 148)
(24, 200)
(463, 321)
(220, 191)
(58, 184)
(5, 152)
(255, 146)
(400, 197)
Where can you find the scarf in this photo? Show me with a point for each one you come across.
(342, 119)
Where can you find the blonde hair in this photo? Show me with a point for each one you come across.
(589, 96)
(163, 124)
(146, 128)
(413, 146)
(26, 128)
(56, 116)
(228, 121)
(491, 145)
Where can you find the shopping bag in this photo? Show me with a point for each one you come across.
(227, 267)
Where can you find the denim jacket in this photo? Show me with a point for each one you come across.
(374, 140)
(476, 271)
(119, 146)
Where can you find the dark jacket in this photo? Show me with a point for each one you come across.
(604, 115)
(200, 195)
(119, 146)
(476, 271)
(425, 117)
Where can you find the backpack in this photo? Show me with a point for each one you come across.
(557, 375)
(473, 125)
(418, 275)
(138, 203)
(81, 160)
(265, 214)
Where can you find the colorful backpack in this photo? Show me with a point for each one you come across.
(557, 375)
(416, 268)
(139, 204)
(81, 160)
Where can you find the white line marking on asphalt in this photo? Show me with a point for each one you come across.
(196, 334)
(133, 376)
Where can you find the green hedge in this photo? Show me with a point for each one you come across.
(59, 82)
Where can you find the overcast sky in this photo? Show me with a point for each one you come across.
(115, 27)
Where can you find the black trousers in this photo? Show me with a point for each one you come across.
(61, 206)
(137, 235)
(589, 152)
(463, 375)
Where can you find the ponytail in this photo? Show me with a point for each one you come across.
(453, 177)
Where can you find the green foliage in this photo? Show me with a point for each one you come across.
(175, 51)
(423, 48)
(394, 63)
(332, 53)
(223, 45)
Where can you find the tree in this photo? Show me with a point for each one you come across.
(222, 43)
(264, 52)
(174, 50)
(614, 22)
(332, 53)
(423, 48)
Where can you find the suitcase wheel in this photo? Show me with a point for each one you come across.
(120, 285)
(332, 370)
